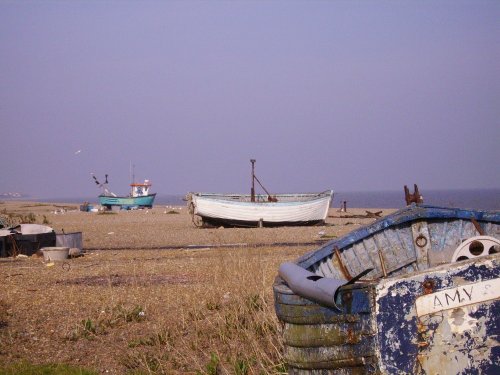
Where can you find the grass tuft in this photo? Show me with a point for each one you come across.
(26, 368)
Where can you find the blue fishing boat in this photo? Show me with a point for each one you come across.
(415, 292)
(139, 196)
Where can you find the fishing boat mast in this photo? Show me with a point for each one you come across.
(252, 191)
(254, 178)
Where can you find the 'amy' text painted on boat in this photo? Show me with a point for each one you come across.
(457, 297)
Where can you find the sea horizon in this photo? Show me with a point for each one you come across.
(485, 199)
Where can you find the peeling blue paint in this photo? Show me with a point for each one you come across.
(376, 327)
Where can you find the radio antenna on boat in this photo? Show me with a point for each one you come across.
(132, 173)
(254, 178)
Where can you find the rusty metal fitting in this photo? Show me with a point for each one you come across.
(421, 240)
(428, 286)
(347, 297)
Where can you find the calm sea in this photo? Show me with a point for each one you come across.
(487, 199)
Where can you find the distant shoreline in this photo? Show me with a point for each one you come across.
(486, 199)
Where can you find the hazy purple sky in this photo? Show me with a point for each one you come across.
(347, 95)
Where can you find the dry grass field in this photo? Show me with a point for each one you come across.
(153, 294)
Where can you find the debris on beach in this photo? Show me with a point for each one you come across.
(26, 239)
(30, 239)
(368, 215)
(75, 252)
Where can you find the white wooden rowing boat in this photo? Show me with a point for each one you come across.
(280, 209)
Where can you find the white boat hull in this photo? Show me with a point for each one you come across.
(289, 209)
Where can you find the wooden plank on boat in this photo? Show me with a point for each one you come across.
(329, 357)
(460, 296)
(316, 335)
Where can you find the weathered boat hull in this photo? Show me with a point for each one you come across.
(452, 309)
(393, 323)
(127, 202)
(238, 210)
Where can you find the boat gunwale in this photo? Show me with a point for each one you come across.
(409, 213)
(235, 199)
(126, 196)
(288, 195)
